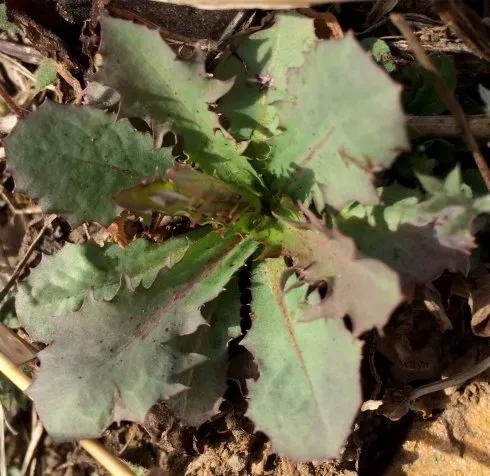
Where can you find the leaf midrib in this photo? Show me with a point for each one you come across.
(289, 325)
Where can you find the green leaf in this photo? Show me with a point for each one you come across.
(185, 191)
(207, 381)
(45, 74)
(365, 289)
(265, 58)
(114, 359)
(308, 392)
(343, 124)
(75, 158)
(5, 23)
(381, 53)
(173, 92)
(419, 239)
(136, 469)
(451, 208)
(60, 283)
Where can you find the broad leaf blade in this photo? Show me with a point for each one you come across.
(60, 283)
(175, 93)
(114, 359)
(206, 382)
(265, 58)
(343, 104)
(75, 158)
(308, 392)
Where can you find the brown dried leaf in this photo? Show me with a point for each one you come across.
(480, 306)
(235, 4)
(117, 232)
(433, 303)
(326, 24)
(16, 349)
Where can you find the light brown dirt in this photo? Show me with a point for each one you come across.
(456, 443)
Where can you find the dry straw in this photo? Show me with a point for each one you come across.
(265, 4)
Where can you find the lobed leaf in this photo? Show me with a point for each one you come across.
(260, 66)
(418, 238)
(342, 105)
(60, 283)
(451, 208)
(308, 392)
(206, 382)
(175, 93)
(114, 359)
(83, 156)
(365, 289)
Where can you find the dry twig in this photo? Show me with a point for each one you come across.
(10, 102)
(3, 462)
(20, 266)
(36, 433)
(467, 25)
(262, 4)
(450, 48)
(34, 210)
(25, 53)
(17, 349)
(446, 95)
(445, 126)
(454, 381)
(70, 80)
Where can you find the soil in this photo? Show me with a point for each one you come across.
(228, 446)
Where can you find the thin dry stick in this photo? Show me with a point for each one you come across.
(10, 102)
(454, 381)
(20, 211)
(114, 465)
(20, 266)
(444, 126)
(263, 4)
(36, 434)
(70, 80)
(3, 463)
(26, 54)
(216, 49)
(446, 95)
